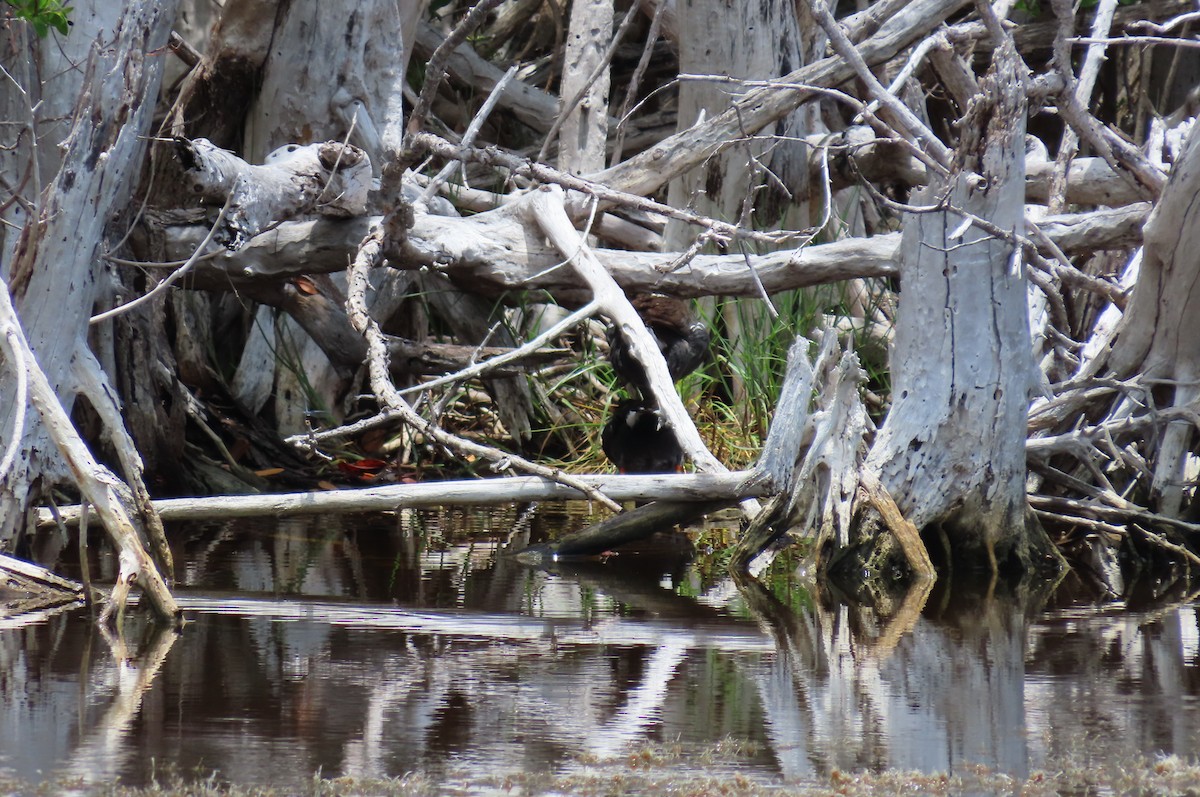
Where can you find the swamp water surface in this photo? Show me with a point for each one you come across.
(377, 646)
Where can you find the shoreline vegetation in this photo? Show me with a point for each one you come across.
(664, 769)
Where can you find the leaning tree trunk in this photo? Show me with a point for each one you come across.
(57, 273)
(1157, 337)
(952, 449)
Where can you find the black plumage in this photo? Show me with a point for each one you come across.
(637, 440)
(682, 338)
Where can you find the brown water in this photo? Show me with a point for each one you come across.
(384, 645)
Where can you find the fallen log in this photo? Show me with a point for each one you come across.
(678, 487)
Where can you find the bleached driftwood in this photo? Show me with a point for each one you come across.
(1151, 339)
(581, 124)
(690, 487)
(1068, 146)
(23, 576)
(492, 253)
(329, 179)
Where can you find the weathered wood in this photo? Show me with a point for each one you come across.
(328, 179)
(772, 44)
(369, 257)
(531, 105)
(759, 107)
(816, 446)
(54, 280)
(97, 484)
(492, 254)
(330, 70)
(1157, 338)
(28, 577)
(689, 487)
(320, 311)
(902, 529)
(952, 446)
(214, 97)
(583, 117)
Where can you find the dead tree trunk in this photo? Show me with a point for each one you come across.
(57, 275)
(734, 185)
(952, 450)
(1157, 337)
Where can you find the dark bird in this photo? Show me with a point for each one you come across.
(682, 338)
(637, 440)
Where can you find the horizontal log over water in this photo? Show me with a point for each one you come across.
(476, 492)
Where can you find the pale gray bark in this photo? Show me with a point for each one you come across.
(584, 132)
(331, 68)
(1156, 338)
(769, 44)
(694, 487)
(54, 269)
(762, 106)
(952, 447)
(326, 179)
(492, 253)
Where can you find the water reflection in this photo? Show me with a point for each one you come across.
(383, 645)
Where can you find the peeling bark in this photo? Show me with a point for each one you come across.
(53, 276)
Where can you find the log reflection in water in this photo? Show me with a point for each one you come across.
(410, 643)
(851, 690)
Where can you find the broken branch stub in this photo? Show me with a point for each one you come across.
(330, 179)
(816, 446)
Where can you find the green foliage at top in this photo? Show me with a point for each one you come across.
(43, 15)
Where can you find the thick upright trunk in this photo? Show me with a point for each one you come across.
(584, 133)
(952, 449)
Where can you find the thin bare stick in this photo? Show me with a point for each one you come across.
(468, 138)
(1106, 40)
(1111, 513)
